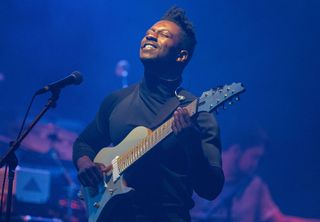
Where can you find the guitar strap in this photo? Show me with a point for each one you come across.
(170, 106)
(166, 111)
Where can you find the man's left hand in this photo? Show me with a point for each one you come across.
(181, 121)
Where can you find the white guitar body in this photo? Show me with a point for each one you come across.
(96, 200)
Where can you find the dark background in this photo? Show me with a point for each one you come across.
(272, 46)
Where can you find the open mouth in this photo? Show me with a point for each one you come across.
(149, 46)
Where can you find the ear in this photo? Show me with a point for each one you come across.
(183, 56)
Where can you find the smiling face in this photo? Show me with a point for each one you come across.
(161, 43)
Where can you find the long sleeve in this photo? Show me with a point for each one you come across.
(96, 135)
(268, 210)
(203, 151)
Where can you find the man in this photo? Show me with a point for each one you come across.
(245, 197)
(187, 160)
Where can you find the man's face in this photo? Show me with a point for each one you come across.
(250, 159)
(161, 42)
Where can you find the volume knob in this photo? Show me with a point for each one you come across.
(96, 205)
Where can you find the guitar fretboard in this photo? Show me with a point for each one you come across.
(129, 157)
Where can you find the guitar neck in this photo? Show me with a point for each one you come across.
(133, 154)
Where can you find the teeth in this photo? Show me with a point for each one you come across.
(149, 46)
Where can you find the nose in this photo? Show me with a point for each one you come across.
(152, 37)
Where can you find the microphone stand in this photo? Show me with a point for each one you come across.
(10, 158)
(124, 76)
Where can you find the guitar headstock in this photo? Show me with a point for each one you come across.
(212, 99)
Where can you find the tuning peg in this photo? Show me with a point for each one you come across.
(237, 98)
(230, 103)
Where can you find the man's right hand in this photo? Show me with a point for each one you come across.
(90, 173)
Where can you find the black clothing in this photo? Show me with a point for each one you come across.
(164, 178)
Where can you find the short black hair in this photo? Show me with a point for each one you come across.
(247, 137)
(178, 16)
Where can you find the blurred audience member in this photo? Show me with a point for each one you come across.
(245, 196)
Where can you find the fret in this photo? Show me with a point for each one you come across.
(146, 144)
(139, 151)
(132, 156)
(152, 138)
(150, 141)
(120, 163)
(136, 153)
(158, 134)
(143, 144)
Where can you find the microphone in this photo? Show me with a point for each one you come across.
(122, 70)
(74, 78)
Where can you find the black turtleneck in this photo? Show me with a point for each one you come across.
(159, 89)
(165, 178)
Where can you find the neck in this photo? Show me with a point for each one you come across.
(158, 88)
(162, 83)
(165, 76)
(168, 71)
(230, 169)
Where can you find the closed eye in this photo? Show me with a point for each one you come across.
(165, 34)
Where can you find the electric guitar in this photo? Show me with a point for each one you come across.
(137, 143)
